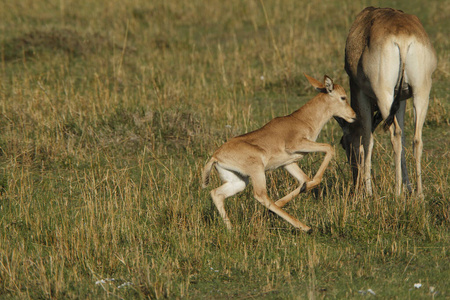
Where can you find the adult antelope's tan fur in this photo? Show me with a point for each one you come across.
(389, 58)
(280, 143)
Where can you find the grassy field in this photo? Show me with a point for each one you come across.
(109, 110)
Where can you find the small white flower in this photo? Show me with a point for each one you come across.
(125, 284)
(262, 77)
(100, 282)
(417, 285)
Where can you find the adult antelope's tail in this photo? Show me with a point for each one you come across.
(207, 171)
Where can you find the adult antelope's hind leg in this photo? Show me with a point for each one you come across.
(260, 193)
(301, 177)
(401, 122)
(419, 68)
(420, 107)
(396, 140)
(385, 96)
(383, 80)
(233, 184)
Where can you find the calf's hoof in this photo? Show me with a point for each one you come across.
(303, 188)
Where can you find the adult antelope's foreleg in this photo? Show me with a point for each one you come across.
(260, 192)
(301, 177)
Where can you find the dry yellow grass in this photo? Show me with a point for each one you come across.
(109, 110)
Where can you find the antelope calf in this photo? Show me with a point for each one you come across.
(389, 58)
(280, 143)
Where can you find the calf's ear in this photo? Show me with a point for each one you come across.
(316, 84)
(329, 85)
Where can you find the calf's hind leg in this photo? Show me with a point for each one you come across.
(233, 184)
(260, 193)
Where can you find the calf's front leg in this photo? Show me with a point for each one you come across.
(301, 177)
(309, 146)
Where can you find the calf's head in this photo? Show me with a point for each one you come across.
(336, 98)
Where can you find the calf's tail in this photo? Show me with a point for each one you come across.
(207, 171)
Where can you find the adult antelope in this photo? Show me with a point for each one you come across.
(280, 143)
(389, 58)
